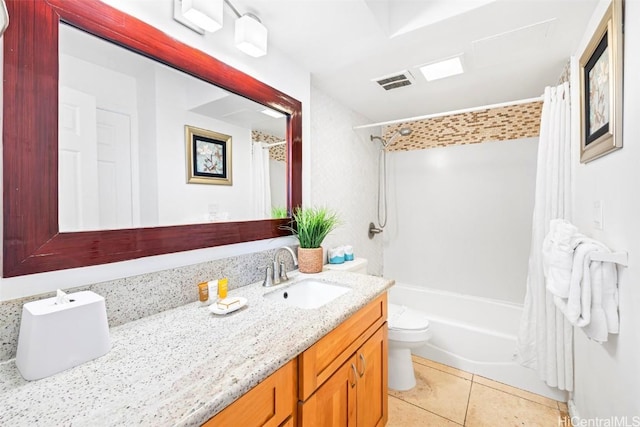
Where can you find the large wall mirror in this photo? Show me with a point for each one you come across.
(105, 121)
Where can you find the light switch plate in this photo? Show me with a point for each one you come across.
(598, 222)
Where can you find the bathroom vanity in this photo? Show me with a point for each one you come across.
(341, 377)
(266, 364)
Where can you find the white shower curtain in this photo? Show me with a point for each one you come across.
(261, 181)
(545, 340)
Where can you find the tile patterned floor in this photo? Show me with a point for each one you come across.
(448, 397)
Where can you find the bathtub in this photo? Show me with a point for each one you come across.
(477, 335)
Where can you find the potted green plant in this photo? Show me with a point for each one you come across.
(311, 226)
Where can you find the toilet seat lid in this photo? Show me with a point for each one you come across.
(402, 317)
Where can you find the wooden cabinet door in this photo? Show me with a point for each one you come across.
(321, 360)
(371, 363)
(334, 403)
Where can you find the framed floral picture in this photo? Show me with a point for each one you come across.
(208, 156)
(601, 88)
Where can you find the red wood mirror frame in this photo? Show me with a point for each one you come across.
(32, 242)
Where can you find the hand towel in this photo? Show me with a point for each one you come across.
(596, 329)
(592, 299)
(576, 306)
(610, 296)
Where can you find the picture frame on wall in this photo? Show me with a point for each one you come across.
(601, 87)
(208, 156)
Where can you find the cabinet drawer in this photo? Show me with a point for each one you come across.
(269, 403)
(323, 358)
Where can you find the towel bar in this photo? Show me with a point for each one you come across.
(621, 258)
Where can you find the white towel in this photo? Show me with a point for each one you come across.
(576, 305)
(557, 256)
(604, 305)
(596, 329)
(592, 299)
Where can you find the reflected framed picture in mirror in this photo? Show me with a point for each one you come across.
(208, 156)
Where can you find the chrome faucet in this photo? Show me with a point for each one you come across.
(276, 274)
(279, 270)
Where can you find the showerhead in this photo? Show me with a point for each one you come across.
(406, 131)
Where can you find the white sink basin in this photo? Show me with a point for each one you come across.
(308, 293)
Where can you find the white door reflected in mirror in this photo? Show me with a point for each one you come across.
(95, 169)
(77, 157)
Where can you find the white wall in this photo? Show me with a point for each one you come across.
(460, 218)
(343, 176)
(113, 90)
(275, 69)
(607, 376)
(178, 201)
(147, 147)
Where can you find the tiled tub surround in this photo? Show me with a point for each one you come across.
(495, 124)
(277, 152)
(135, 297)
(181, 366)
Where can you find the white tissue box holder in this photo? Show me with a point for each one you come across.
(55, 337)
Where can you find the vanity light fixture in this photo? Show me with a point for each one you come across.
(199, 15)
(206, 15)
(441, 69)
(251, 35)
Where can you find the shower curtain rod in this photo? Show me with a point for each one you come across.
(449, 113)
(265, 145)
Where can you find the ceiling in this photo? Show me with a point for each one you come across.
(511, 49)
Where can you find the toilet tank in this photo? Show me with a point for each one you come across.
(358, 265)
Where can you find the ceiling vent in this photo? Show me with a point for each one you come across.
(396, 80)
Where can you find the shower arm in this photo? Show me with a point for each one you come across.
(373, 230)
(387, 142)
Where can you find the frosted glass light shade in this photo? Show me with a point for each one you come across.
(251, 36)
(206, 14)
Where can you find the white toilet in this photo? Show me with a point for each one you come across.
(408, 329)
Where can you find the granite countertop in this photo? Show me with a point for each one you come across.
(181, 366)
